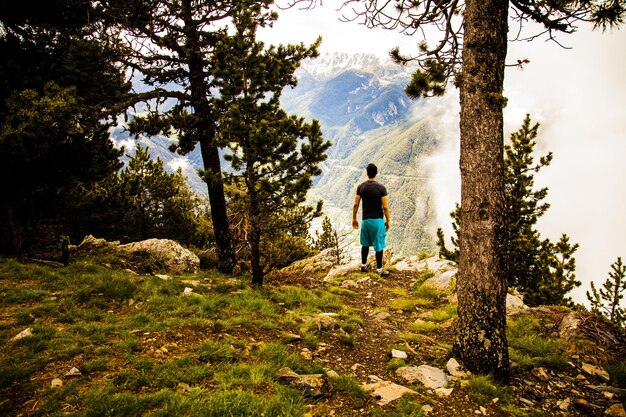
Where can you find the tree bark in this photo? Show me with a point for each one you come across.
(217, 201)
(206, 137)
(482, 278)
(255, 237)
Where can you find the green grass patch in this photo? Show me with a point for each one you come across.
(617, 372)
(352, 387)
(484, 389)
(426, 291)
(404, 407)
(529, 349)
(394, 364)
(408, 304)
(423, 327)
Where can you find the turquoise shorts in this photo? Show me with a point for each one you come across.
(374, 233)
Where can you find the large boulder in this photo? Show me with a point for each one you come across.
(171, 254)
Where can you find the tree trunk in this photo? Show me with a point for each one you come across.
(255, 235)
(482, 278)
(206, 137)
(15, 229)
(217, 201)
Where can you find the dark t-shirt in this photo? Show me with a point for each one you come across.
(372, 193)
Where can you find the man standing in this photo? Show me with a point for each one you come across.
(373, 228)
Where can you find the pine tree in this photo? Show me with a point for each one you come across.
(274, 155)
(607, 300)
(59, 88)
(170, 45)
(471, 51)
(331, 238)
(539, 269)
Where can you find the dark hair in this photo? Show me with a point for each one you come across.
(372, 170)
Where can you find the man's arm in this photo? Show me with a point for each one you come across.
(355, 210)
(385, 202)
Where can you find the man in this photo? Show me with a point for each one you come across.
(373, 227)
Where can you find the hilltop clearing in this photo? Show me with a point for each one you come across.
(92, 339)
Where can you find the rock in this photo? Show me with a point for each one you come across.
(616, 410)
(407, 264)
(564, 404)
(454, 368)
(325, 321)
(28, 332)
(541, 374)
(596, 371)
(444, 392)
(605, 388)
(383, 315)
(176, 259)
(386, 391)
(399, 354)
(429, 376)
(583, 405)
(90, 242)
(164, 277)
(187, 291)
(515, 303)
(427, 409)
(568, 329)
(291, 337)
(323, 261)
(313, 385)
(364, 280)
(350, 284)
(443, 281)
(332, 374)
(74, 372)
(526, 402)
(56, 383)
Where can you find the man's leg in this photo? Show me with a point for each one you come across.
(379, 260)
(364, 252)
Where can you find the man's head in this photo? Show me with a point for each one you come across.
(372, 170)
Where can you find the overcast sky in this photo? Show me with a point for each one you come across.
(579, 97)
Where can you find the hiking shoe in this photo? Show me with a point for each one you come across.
(383, 273)
(363, 268)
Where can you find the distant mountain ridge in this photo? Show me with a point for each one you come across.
(360, 102)
(363, 110)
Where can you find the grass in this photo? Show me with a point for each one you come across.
(483, 389)
(404, 407)
(408, 304)
(423, 327)
(114, 327)
(528, 348)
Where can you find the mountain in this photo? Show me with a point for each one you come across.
(363, 110)
(360, 103)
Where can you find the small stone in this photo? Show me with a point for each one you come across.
(387, 391)
(187, 291)
(541, 374)
(350, 284)
(596, 371)
(56, 383)
(444, 392)
(616, 410)
(183, 386)
(363, 280)
(454, 368)
(427, 409)
(382, 316)
(306, 354)
(583, 405)
(399, 354)
(495, 400)
(564, 404)
(332, 374)
(73, 372)
(356, 366)
(527, 402)
(21, 335)
(483, 410)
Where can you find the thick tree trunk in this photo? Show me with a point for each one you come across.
(206, 137)
(482, 281)
(217, 201)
